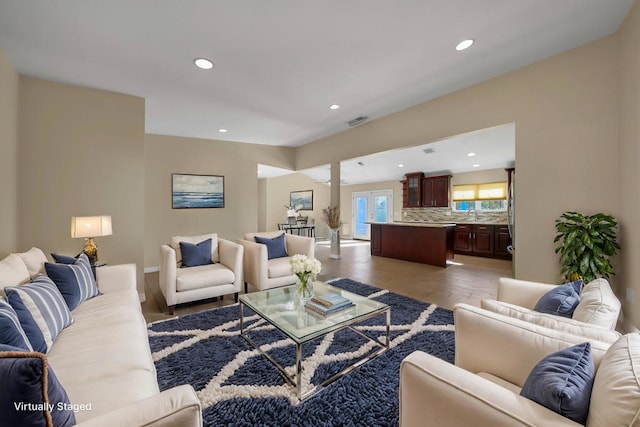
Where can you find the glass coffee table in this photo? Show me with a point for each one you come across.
(281, 308)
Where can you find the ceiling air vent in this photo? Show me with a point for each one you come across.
(357, 121)
(429, 150)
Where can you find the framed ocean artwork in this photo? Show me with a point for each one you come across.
(197, 191)
(301, 200)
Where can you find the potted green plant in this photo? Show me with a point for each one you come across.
(585, 244)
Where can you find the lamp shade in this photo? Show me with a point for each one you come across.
(90, 226)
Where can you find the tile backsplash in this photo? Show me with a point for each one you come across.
(448, 215)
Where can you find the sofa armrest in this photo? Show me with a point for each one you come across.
(176, 407)
(506, 347)
(231, 255)
(522, 292)
(112, 278)
(300, 245)
(255, 262)
(168, 274)
(436, 392)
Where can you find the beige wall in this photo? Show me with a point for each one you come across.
(238, 163)
(81, 152)
(277, 192)
(565, 111)
(8, 155)
(629, 159)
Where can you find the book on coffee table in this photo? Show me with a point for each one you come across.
(326, 310)
(331, 300)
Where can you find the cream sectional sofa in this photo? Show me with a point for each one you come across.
(103, 359)
(494, 355)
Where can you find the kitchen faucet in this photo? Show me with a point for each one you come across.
(475, 214)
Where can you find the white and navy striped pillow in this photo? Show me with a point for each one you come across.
(11, 332)
(41, 310)
(75, 281)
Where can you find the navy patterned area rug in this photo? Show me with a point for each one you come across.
(238, 386)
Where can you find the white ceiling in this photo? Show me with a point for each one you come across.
(279, 64)
(494, 148)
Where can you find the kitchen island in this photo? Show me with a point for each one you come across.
(427, 243)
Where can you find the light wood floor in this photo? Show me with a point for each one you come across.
(468, 279)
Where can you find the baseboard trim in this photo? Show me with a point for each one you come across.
(151, 269)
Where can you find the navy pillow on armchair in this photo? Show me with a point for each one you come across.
(562, 300)
(275, 247)
(194, 255)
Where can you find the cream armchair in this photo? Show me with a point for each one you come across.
(181, 285)
(263, 273)
(598, 308)
(494, 355)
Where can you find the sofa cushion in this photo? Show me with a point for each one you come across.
(34, 259)
(75, 281)
(203, 276)
(562, 382)
(11, 332)
(279, 267)
(275, 246)
(551, 321)
(197, 254)
(175, 244)
(28, 380)
(615, 399)
(13, 272)
(598, 305)
(561, 301)
(41, 310)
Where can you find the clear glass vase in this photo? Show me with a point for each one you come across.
(305, 287)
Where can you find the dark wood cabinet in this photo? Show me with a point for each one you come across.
(502, 241)
(412, 190)
(431, 245)
(436, 191)
(482, 240)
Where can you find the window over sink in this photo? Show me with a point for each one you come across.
(487, 197)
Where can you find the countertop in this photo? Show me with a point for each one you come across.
(416, 224)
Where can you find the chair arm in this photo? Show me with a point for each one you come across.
(168, 274)
(255, 262)
(506, 347)
(176, 407)
(435, 392)
(231, 256)
(300, 245)
(521, 292)
(112, 278)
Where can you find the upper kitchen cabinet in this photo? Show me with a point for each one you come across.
(412, 190)
(436, 191)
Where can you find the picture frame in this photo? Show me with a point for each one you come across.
(190, 191)
(301, 200)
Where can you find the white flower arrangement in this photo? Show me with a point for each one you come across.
(302, 265)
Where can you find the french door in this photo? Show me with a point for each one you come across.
(370, 206)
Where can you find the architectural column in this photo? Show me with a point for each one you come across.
(335, 201)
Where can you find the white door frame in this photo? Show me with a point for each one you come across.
(370, 215)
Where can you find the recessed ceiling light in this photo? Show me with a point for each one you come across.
(476, 165)
(334, 106)
(223, 130)
(464, 44)
(203, 63)
(400, 165)
(471, 154)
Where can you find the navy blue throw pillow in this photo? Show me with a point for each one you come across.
(74, 281)
(63, 259)
(562, 382)
(31, 393)
(561, 301)
(194, 255)
(275, 247)
(11, 332)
